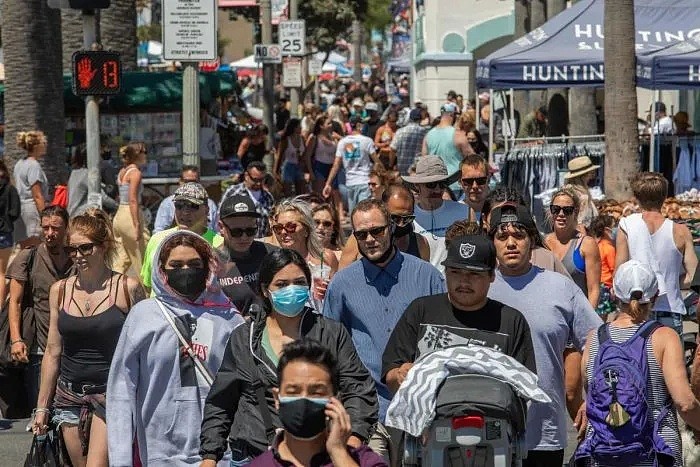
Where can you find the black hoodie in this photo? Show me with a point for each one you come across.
(9, 206)
(232, 400)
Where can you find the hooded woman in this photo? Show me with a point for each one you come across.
(168, 352)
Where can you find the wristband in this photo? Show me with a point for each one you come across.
(40, 410)
(14, 342)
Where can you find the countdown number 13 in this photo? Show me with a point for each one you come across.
(110, 74)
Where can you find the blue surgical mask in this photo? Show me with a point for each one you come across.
(289, 301)
(613, 234)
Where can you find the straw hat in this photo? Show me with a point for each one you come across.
(579, 166)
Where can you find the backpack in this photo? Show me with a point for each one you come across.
(624, 431)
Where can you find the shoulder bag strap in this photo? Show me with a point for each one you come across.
(188, 347)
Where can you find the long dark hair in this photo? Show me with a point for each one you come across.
(290, 128)
(273, 263)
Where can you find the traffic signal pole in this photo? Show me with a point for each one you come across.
(92, 120)
(268, 72)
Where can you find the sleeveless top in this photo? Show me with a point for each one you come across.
(440, 142)
(412, 248)
(575, 264)
(89, 341)
(124, 188)
(325, 152)
(292, 153)
(255, 152)
(656, 388)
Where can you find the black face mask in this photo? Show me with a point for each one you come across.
(303, 418)
(188, 282)
(403, 230)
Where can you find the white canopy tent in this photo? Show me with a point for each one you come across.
(247, 62)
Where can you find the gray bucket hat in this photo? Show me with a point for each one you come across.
(431, 169)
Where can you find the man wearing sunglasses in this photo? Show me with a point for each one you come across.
(434, 214)
(369, 296)
(191, 210)
(166, 211)
(253, 186)
(474, 171)
(557, 312)
(241, 253)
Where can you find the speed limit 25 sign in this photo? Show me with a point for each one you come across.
(292, 37)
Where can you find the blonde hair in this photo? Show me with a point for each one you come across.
(313, 242)
(96, 225)
(131, 152)
(564, 191)
(637, 311)
(28, 140)
(467, 121)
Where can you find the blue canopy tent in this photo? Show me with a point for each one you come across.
(567, 51)
(674, 67)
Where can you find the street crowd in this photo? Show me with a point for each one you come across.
(255, 330)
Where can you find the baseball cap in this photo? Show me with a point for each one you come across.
(511, 213)
(357, 102)
(635, 280)
(472, 252)
(372, 107)
(193, 192)
(239, 206)
(448, 108)
(415, 115)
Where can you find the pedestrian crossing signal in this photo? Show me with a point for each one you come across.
(96, 73)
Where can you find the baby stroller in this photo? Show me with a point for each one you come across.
(479, 422)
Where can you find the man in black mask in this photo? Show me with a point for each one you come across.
(399, 202)
(241, 254)
(316, 425)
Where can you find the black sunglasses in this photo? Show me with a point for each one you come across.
(326, 224)
(555, 210)
(186, 205)
(376, 232)
(433, 185)
(85, 249)
(238, 232)
(470, 181)
(402, 220)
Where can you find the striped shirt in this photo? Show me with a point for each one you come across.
(369, 301)
(656, 387)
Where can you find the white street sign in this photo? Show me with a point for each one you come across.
(268, 53)
(315, 67)
(292, 37)
(291, 73)
(189, 30)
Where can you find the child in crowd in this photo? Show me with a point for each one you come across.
(604, 230)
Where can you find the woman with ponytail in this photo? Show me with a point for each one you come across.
(87, 312)
(31, 184)
(130, 231)
(636, 289)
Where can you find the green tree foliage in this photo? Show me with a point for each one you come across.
(378, 15)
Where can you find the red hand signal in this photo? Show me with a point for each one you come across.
(85, 72)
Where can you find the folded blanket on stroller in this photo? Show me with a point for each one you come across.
(413, 407)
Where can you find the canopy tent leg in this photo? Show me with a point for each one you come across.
(491, 126)
(652, 135)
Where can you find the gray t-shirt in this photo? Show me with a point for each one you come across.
(27, 173)
(557, 312)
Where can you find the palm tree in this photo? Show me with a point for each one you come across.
(118, 29)
(621, 135)
(72, 34)
(33, 80)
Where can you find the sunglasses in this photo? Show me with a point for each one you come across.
(255, 180)
(289, 227)
(376, 232)
(478, 180)
(433, 185)
(402, 220)
(238, 232)
(85, 249)
(555, 210)
(326, 224)
(182, 205)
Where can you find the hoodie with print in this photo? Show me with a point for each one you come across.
(154, 392)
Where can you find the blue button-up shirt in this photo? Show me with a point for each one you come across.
(369, 301)
(166, 215)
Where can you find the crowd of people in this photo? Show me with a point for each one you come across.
(255, 330)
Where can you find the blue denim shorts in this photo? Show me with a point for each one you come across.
(69, 415)
(291, 172)
(322, 170)
(6, 240)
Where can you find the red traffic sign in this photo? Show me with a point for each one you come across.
(96, 73)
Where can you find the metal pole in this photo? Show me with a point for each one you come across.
(92, 120)
(357, 51)
(477, 104)
(491, 125)
(190, 114)
(317, 91)
(268, 72)
(652, 136)
(513, 124)
(294, 92)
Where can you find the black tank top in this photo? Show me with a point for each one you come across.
(413, 249)
(256, 152)
(89, 341)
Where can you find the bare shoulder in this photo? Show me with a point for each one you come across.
(135, 290)
(589, 243)
(681, 234)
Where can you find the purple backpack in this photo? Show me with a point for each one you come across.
(624, 431)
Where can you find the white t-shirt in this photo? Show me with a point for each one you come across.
(355, 151)
(433, 224)
(664, 126)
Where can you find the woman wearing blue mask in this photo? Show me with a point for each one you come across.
(240, 403)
